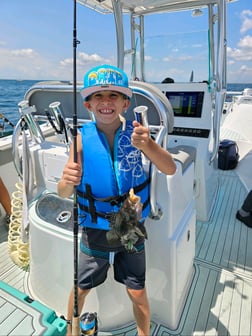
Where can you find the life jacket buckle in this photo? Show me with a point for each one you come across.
(109, 216)
(118, 200)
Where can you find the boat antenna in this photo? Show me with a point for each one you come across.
(191, 77)
(75, 320)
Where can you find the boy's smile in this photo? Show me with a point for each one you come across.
(106, 111)
(107, 106)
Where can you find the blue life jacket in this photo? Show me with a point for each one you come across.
(106, 182)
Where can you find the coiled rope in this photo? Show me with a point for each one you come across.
(18, 250)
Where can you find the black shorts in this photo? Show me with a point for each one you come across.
(129, 269)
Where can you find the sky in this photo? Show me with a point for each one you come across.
(36, 41)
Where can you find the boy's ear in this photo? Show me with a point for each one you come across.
(87, 105)
(127, 103)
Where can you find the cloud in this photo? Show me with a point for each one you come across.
(24, 53)
(84, 62)
(240, 56)
(246, 17)
(246, 43)
(148, 58)
(167, 59)
(198, 45)
(66, 62)
(181, 58)
(245, 68)
(16, 57)
(29, 64)
(185, 57)
(84, 59)
(240, 75)
(244, 50)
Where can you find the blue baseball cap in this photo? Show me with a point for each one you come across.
(105, 77)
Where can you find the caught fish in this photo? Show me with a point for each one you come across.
(125, 224)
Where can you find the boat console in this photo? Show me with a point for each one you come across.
(193, 122)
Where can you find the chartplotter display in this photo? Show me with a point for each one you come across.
(186, 104)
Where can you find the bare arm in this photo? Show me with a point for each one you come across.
(155, 153)
(72, 172)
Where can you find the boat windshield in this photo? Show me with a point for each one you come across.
(182, 57)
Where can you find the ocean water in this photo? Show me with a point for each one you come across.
(13, 91)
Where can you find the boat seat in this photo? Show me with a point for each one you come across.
(160, 111)
(244, 99)
(42, 94)
(183, 154)
(247, 92)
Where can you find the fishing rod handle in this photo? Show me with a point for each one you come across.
(141, 115)
(76, 326)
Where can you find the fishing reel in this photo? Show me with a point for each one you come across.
(58, 124)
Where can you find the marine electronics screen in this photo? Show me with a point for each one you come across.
(186, 104)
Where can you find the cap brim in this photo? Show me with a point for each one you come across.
(85, 92)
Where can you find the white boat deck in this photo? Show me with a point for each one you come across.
(220, 297)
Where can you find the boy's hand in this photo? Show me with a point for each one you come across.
(72, 173)
(141, 136)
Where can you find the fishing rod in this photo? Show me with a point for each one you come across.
(75, 320)
(6, 120)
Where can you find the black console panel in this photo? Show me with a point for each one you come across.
(191, 132)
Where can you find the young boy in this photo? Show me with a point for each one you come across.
(108, 166)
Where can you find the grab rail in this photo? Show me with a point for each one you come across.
(164, 110)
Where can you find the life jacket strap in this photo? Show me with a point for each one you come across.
(113, 200)
(91, 207)
(107, 215)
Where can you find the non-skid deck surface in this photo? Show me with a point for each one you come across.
(220, 297)
(9, 272)
(224, 241)
(19, 315)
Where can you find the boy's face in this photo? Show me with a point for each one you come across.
(107, 106)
